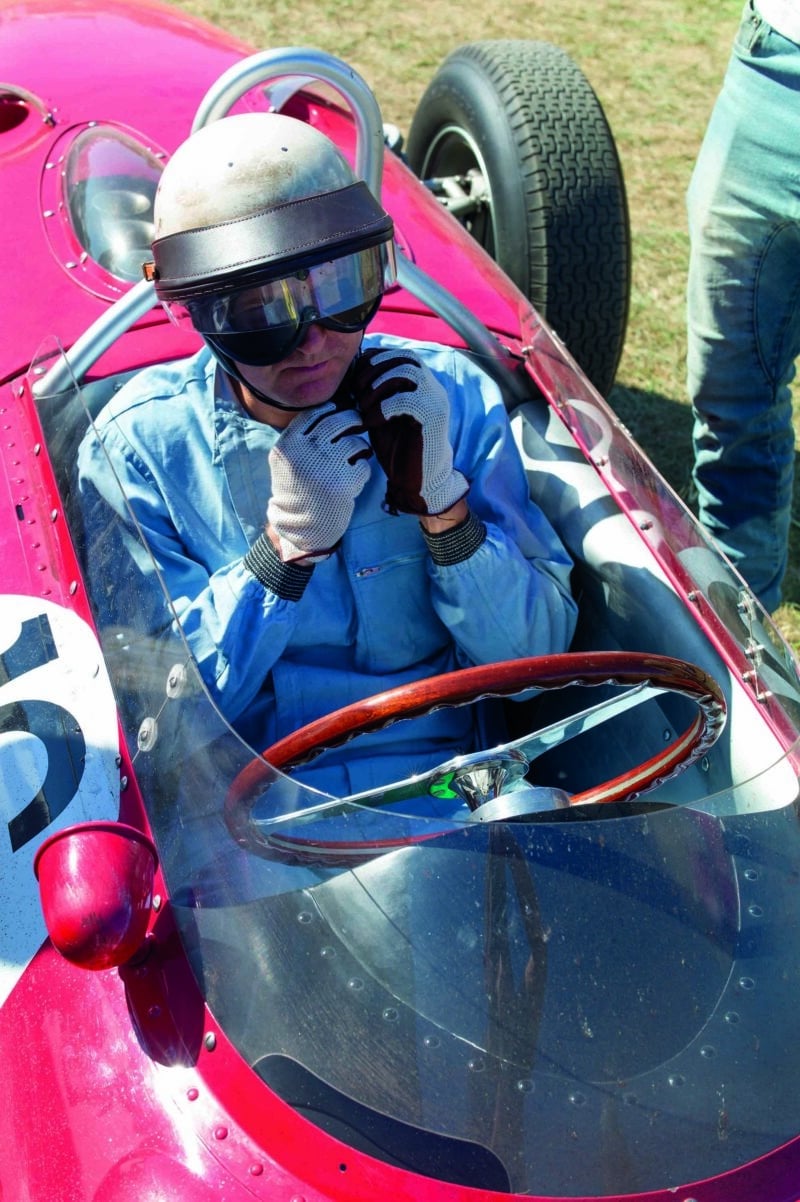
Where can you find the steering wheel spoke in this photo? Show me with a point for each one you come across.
(553, 735)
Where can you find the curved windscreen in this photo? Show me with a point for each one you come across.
(576, 1001)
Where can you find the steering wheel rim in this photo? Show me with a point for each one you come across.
(504, 679)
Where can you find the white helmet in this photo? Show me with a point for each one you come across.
(261, 229)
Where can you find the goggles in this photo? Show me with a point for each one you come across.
(264, 323)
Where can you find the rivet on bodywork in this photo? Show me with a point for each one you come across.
(210, 1041)
(256, 1170)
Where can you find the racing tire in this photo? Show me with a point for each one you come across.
(520, 127)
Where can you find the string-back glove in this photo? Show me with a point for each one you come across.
(319, 466)
(406, 412)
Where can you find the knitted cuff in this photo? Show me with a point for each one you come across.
(286, 580)
(454, 546)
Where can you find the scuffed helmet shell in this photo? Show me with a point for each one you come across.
(241, 164)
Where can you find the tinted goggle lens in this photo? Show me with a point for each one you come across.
(263, 324)
(262, 348)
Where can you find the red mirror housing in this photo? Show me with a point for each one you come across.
(96, 890)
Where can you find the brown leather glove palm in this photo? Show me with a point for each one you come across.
(406, 414)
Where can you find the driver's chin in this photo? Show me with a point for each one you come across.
(292, 390)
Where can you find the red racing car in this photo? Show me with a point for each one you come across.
(579, 979)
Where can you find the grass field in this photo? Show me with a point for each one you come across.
(656, 66)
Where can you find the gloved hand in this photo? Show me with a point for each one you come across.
(319, 466)
(406, 413)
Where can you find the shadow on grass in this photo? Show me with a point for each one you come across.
(663, 429)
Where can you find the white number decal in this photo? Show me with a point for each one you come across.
(58, 755)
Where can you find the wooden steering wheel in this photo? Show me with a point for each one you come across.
(645, 675)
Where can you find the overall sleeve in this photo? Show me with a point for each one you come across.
(510, 598)
(235, 627)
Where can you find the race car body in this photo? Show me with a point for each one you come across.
(561, 967)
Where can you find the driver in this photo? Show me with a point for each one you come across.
(333, 513)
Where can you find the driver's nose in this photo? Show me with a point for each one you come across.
(313, 339)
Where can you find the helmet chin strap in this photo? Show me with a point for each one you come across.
(229, 366)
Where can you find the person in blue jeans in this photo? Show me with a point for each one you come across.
(332, 512)
(743, 311)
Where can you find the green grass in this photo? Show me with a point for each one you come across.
(656, 66)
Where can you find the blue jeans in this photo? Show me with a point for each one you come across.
(744, 305)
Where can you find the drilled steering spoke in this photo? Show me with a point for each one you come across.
(539, 741)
